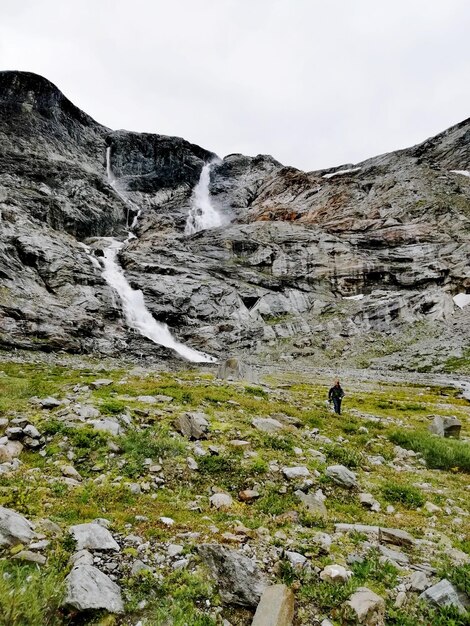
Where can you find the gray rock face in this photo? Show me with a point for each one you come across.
(341, 476)
(93, 537)
(89, 589)
(239, 580)
(446, 426)
(445, 594)
(295, 246)
(14, 528)
(192, 425)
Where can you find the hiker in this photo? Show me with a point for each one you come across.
(336, 394)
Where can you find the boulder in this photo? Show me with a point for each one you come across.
(248, 495)
(294, 473)
(90, 589)
(342, 476)
(234, 369)
(445, 594)
(239, 579)
(446, 426)
(419, 581)
(367, 607)
(49, 403)
(192, 425)
(101, 382)
(335, 574)
(93, 537)
(267, 425)
(314, 503)
(10, 450)
(396, 536)
(276, 607)
(221, 501)
(14, 528)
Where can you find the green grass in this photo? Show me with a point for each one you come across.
(30, 596)
(407, 495)
(438, 452)
(155, 443)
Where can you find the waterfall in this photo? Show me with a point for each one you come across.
(135, 312)
(202, 215)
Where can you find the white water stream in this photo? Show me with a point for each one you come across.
(136, 313)
(202, 215)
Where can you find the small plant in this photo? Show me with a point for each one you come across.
(215, 465)
(346, 456)
(407, 495)
(139, 445)
(112, 407)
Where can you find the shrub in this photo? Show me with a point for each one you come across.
(214, 465)
(112, 407)
(439, 453)
(344, 456)
(410, 497)
(139, 445)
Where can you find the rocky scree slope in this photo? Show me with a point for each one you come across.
(392, 230)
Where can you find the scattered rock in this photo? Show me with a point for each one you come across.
(314, 503)
(49, 403)
(221, 501)
(93, 537)
(369, 502)
(88, 589)
(297, 560)
(341, 476)
(192, 425)
(419, 581)
(267, 425)
(335, 574)
(239, 579)
(31, 557)
(248, 495)
(276, 607)
(396, 536)
(446, 426)
(101, 382)
(367, 607)
(445, 594)
(14, 528)
(293, 473)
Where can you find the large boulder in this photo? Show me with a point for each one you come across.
(445, 594)
(89, 589)
(366, 607)
(342, 476)
(276, 607)
(192, 425)
(14, 528)
(445, 426)
(238, 577)
(93, 537)
(267, 425)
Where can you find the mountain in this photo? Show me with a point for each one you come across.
(357, 264)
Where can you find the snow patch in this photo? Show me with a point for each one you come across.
(462, 172)
(462, 299)
(341, 172)
(358, 297)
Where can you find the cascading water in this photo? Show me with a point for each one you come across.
(202, 215)
(136, 313)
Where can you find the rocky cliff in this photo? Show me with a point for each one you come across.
(363, 259)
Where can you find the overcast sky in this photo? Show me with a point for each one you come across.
(315, 83)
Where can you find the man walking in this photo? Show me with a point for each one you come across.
(336, 394)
